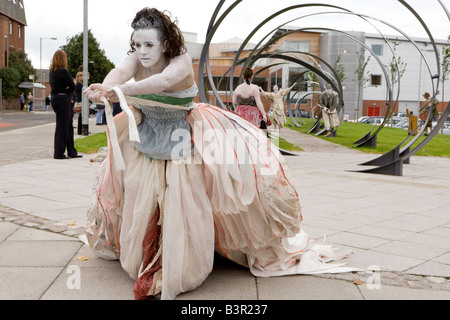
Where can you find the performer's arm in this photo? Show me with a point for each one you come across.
(177, 71)
(259, 103)
(116, 76)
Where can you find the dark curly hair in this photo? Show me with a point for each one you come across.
(167, 30)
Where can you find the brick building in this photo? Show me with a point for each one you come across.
(12, 28)
(222, 55)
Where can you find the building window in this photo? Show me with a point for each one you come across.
(302, 46)
(375, 80)
(297, 74)
(20, 31)
(10, 27)
(260, 82)
(377, 49)
(275, 79)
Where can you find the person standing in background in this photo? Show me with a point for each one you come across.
(277, 96)
(78, 99)
(248, 101)
(30, 101)
(329, 101)
(62, 86)
(47, 102)
(423, 112)
(22, 101)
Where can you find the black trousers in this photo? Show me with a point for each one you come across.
(64, 127)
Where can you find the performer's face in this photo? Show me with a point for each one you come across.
(149, 49)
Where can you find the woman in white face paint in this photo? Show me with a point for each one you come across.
(196, 179)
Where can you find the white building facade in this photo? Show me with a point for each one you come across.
(417, 78)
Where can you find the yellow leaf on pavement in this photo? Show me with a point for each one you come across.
(83, 258)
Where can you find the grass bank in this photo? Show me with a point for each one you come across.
(387, 138)
(347, 134)
(91, 143)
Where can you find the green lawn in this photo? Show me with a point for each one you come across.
(387, 138)
(347, 134)
(92, 143)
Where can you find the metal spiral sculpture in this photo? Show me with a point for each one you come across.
(389, 163)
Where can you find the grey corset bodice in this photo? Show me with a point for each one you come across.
(165, 134)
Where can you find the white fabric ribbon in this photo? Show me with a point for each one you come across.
(133, 133)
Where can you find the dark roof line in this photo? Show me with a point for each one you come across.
(13, 9)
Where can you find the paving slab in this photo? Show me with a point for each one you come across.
(26, 283)
(302, 287)
(226, 282)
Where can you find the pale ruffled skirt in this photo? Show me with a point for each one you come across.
(164, 219)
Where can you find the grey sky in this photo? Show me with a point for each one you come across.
(110, 20)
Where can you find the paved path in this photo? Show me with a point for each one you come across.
(397, 227)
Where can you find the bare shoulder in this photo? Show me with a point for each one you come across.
(255, 89)
(182, 69)
(240, 88)
(182, 60)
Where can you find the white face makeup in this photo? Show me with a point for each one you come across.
(148, 48)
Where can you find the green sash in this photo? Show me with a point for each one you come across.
(166, 99)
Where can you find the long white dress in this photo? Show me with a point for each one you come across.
(225, 187)
(279, 115)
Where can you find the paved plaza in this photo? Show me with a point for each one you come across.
(398, 229)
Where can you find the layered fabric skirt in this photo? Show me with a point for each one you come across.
(164, 219)
(250, 113)
(279, 117)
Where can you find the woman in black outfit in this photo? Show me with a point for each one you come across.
(62, 86)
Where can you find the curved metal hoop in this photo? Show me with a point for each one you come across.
(390, 159)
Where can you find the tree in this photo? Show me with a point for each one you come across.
(100, 65)
(362, 76)
(339, 68)
(19, 60)
(19, 69)
(10, 80)
(396, 66)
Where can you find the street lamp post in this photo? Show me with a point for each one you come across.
(85, 101)
(40, 49)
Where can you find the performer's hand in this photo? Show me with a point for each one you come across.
(95, 92)
(111, 94)
(265, 117)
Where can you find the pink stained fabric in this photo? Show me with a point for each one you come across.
(250, 113)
